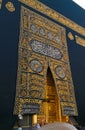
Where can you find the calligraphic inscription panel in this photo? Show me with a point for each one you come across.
(42, 44)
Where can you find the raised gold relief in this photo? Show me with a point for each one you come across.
(10, 6)
(35, 4)
(42, 47)
(70, 36)
(80, 41)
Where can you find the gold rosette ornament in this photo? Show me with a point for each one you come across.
(10, 6)
(70, 36)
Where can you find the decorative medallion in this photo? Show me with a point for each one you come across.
(10, 6)
(36, 66)
(46, 49)
(70, 36)
(60, 72)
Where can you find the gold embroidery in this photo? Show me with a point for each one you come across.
(80, 40)
(54, 15)
(70, 36)
(10, 6)
(39, 38)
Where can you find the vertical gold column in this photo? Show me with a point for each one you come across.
(46, 104)
(46, 114)
(59, 119)
(34, 119)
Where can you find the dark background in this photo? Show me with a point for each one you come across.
(9, 39)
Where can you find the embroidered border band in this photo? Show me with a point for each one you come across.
(54, 15)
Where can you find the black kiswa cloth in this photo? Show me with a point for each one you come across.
(9, 35)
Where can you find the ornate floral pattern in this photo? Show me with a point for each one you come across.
(36, 66)
(60, 72)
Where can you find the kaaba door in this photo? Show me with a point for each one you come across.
(50, 107)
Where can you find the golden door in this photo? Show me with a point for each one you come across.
(50, 107)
